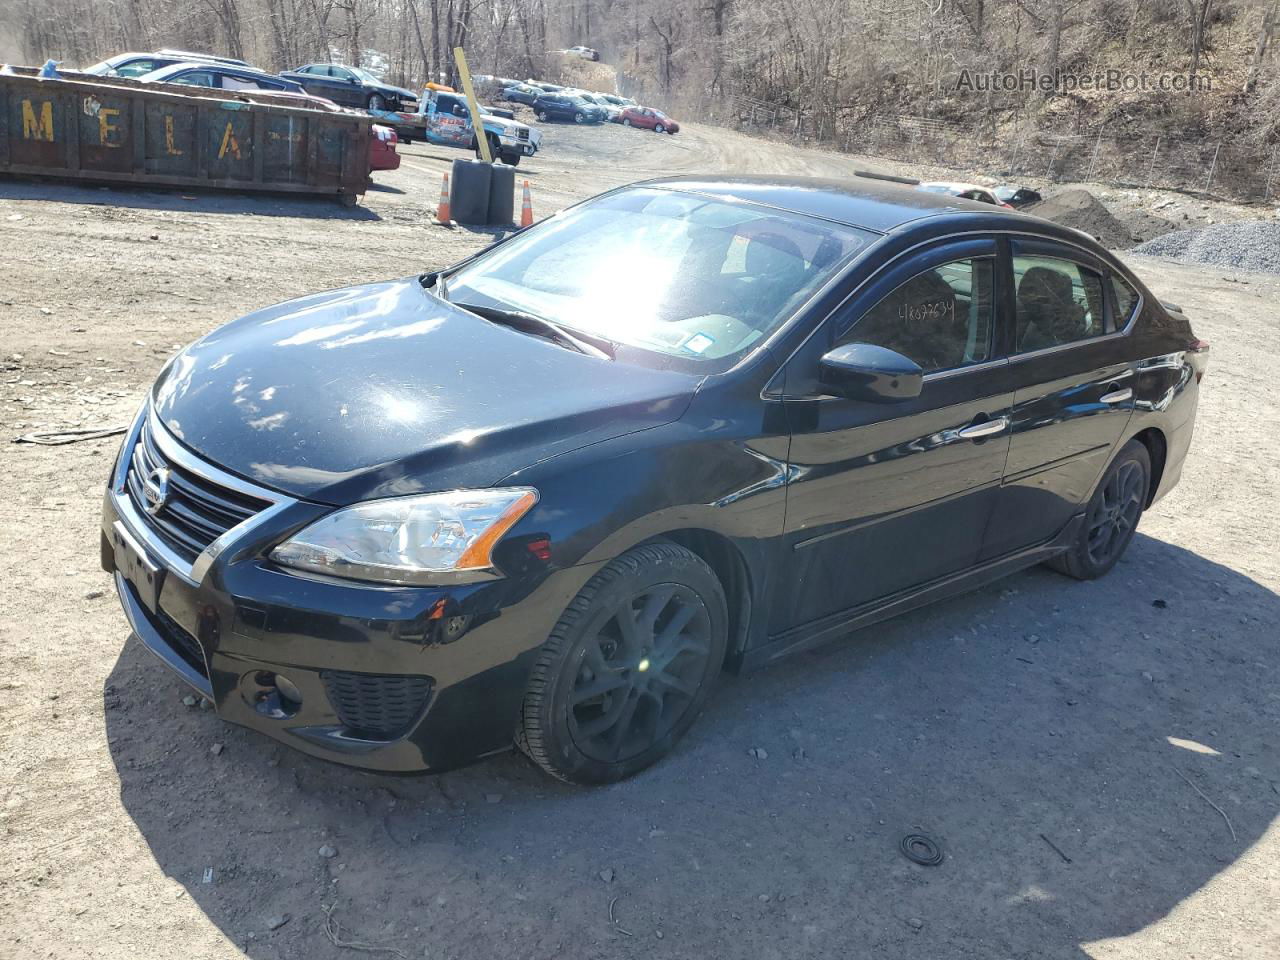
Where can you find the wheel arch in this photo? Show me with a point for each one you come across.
(1157, 445)
(729, 565)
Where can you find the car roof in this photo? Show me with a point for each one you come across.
(229, 68)
(858, 201)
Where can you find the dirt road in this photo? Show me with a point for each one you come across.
(1040, 729)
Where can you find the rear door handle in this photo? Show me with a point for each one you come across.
(987, 428)
(1117, 396)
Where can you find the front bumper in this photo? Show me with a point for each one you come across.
(395, 679)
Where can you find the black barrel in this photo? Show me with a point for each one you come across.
(502, 195)
(469, 191)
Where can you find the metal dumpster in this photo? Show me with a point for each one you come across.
(114, 129)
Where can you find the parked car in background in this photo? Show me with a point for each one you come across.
(563, 106)
(220, 76)
(965, 191)
(521, 93)
(611, 112)
(362, 525)
(1017, 197)
(382, 148)
(586, 53)
(352, 87)
(649, 118)
(135, 65)
(544, 86)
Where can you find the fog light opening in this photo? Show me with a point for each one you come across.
(288, 691)
(272, 694)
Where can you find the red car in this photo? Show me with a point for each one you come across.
(382, 148)
(654, 120)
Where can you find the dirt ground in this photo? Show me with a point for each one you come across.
(1100, 770)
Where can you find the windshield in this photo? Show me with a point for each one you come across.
(684, 280)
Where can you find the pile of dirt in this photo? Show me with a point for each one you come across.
(1246, 245)
(574, 71)
(1080, 209)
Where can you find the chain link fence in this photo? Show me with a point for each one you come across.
(1208, 166)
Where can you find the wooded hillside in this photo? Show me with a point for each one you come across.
(829, 63)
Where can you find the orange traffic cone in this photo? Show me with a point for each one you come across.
(526, 208)
(444, 216)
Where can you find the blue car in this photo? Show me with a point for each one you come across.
(563, 106)
(220, 76)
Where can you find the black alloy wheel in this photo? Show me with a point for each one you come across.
(628, 667)
(1111, 517)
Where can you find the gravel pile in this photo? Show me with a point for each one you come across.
(1245, 245)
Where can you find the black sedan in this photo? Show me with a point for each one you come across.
(546, 495)
(352, 87)
(1017, 197)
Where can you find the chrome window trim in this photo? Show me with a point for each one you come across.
(945, 238)
(192, 573)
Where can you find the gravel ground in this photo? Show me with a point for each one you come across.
(1036, 714)
(1246, 245)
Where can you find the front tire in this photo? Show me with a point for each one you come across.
(659, 129)
(626, 122)
(628, 667)
(579, 118)
(542, 115)
(1111, 516)
(376, 102)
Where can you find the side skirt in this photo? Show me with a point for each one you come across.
(839, 624)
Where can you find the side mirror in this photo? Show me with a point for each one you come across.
(863, 371)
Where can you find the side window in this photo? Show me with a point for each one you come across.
(338, 73)
(232, 82)
(196, 78)
(941, 318)
(1126, 301)
(136, 69)
(1057, 302)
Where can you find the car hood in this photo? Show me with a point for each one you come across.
(386, 390)
(502, 124)
(398, 91)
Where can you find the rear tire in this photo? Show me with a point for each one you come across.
(628, 667)
(542, 115)
(1111, 517)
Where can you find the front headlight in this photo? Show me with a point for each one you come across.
(408, 539)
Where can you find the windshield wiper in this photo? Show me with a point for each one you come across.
(535, 324)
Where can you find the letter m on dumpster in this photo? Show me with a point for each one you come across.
(35, 130)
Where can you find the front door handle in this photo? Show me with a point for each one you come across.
(1117, 396)
(987, 428)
